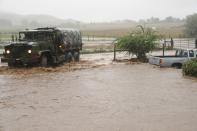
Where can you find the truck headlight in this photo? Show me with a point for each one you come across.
(7, 51)
(29, 51)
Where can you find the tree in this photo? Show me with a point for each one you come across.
(191, 25)
(139, 43)
(153, 20)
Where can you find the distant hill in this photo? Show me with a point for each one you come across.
(16, 20)
(11, 22)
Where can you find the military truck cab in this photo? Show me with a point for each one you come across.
(44, 46)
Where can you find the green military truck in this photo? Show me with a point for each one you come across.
(44, 46)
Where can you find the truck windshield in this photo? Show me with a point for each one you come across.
(35, 36)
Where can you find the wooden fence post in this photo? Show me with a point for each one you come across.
(180, 44)
(12, 37)
(172, 43)
(164, 44)
(114, 51)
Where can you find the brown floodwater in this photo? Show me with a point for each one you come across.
(97, 94)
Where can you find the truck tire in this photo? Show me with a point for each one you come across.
(11, 64)
(76, 56)
(44, 61)
(177, 65)
(68, 57)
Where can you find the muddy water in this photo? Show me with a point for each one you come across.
(100, 96)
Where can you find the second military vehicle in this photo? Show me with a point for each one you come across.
(45, 46)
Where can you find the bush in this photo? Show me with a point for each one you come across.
(190, 68)
(139, 43)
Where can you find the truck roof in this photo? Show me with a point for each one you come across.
(50, 29)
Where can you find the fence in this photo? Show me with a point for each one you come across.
(92, 44)
(105, 44)
(189, 43)
(91, 39)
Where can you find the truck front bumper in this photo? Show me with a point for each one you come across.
(21, 60)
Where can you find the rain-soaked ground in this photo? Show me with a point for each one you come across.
(97, 95)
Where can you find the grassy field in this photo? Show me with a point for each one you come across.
(116, 29)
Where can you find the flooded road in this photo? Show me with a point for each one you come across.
(97, 94)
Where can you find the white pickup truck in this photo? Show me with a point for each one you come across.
(181, 56)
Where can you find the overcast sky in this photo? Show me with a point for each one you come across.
(102, 10)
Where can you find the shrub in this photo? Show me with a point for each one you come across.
(190, 68)
(139, 43)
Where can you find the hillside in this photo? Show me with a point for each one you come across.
(11, 22)
(15, 21)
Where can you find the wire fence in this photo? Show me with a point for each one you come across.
(106, 44)
(179, 43)
(189, 43)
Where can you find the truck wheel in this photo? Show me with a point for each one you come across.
(177, 65)
(44, 61)
(76, 56)
(68, 57)
(11, 64)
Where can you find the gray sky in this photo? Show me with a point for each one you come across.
(102, 10)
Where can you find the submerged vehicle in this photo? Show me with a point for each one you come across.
(181, 56)
(44, 46)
